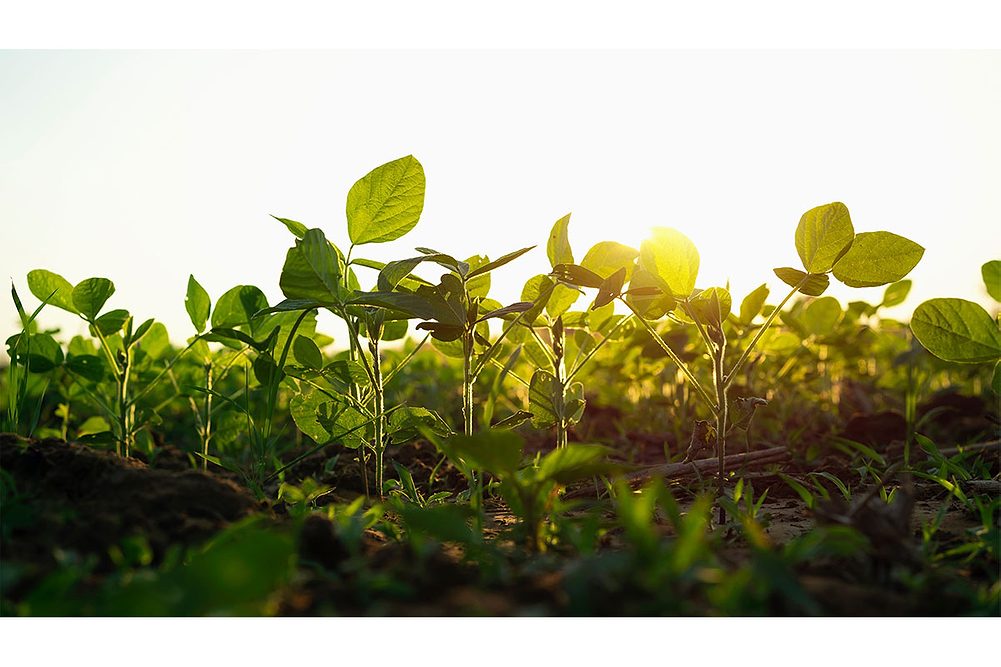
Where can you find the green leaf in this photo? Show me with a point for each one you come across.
(558, 249)
(112, 321)
(297, 228)
(877, 258)
(307, 353)
(497, 263)
(43, 283)
(823, 235)
(40, 352)
(156, 342)
(543, 393)
(197, 303)
(711, 306)
(496, 451)
(607, 257)
(896, 294)
(394, 272)
(407, 423)
(815, 285)
(90, 295)
(672, 259)
(752, 304)
(574, 463)
(312, 270)
(957, 330)
(822, 315)
(238, 306)
(88, 366)
(387, 202)
(991, 272)
(650, 306)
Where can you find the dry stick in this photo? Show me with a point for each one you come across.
(699, 466)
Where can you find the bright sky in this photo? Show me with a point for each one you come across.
(144, 167)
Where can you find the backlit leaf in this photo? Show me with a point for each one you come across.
(387, 202)
(823, 235)
(957, 330)
(814, 284)
(877, 258)
(43, 283)
(672, 259)
(90, 295)
(197, 303)
(607, 257)
(558, 249)
(991, 272)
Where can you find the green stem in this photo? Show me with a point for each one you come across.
(207, 422)
(407, 359)
(675, 358)
(587, 357)
(488, 355)
(379, 410)
(764, 327)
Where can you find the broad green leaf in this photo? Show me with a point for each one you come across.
(425, 306)
(672, 259)
(496, 451)
(43, 283)
(312, 270)
(606, 257)
(393, 273)
(574, 403)
(156, 342)
(90, 295)
(821, 316)
(238, 306)
(406, 424)
(957, 330)
(752, 304)
(814, 285)
(896, 294)
(877, 258)
(650, 306)
(478, 285)
(40, 352)
(574, 463)
(88, 366)
(545, 399)
(711, 306)
(307, 353)
(558, 249)
(197, 303)
(823, 235)
(387, 202)
(111, 322)
(304, 408)
(93, 425)
(991, 272)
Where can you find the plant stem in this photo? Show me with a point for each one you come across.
(587, 357)
(207, 422)
(379, 409)
(559, 348)
(721, 414)
(764, 327)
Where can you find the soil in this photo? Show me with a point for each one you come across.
(87, 501)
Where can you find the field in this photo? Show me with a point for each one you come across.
(620, 441)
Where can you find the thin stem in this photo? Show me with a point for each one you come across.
(485, 358)
(587, 357)
(675, 358)
(380, 408)
(764, 327)
(207, 422)
(151, 385)
(406, 360)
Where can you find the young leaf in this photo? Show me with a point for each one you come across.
(497, 452)
(576, 275)
(877, 258)
(752, 304)
(518, 307)
(711, 306)
(672, 259)
(43, 283)
(821, 316)
(815, 285)
(297, 228)
(823, 235)
(307, 353)
(499, 262)
(608, 257)
(558, 249)
(610, 288)
(991, 272)
(387, 202)
(197, 303)
(312, 270)
(575, 462)
(896, 294)
(238, 305)
(112, 321)
(543, 393)
(957, 330)
(90, 295)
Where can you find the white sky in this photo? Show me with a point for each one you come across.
(144, 167)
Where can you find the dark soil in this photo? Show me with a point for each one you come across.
(88, 501)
